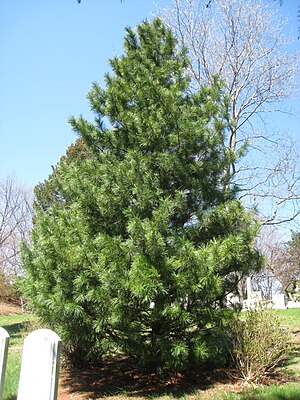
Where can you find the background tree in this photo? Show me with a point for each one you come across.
(272, 246)
(281, 272)
(143, 240)
(15, 224)
(51, 191)
(287, 270)
(245, 43)
(293, 260)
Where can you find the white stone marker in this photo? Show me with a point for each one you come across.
(278, 301)
(40, 366)
(4, 339)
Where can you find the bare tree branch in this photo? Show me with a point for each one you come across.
(244, 42)
(15, 223)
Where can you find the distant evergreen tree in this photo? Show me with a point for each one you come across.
(144, 238)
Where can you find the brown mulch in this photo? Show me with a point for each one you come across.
(118, 380)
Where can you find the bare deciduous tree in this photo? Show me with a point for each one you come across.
(287, 270)
(245, 43)
(15, 223)
(271, 244)
(281, 272)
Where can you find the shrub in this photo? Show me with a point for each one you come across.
(259, 344)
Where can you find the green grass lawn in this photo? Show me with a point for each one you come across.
(287, 392)
(290, 318)
(17, 325)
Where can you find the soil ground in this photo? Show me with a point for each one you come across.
(117, 380)
(7, 308)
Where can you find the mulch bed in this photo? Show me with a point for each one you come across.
(118, 380)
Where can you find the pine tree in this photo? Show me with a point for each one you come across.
(142, 242)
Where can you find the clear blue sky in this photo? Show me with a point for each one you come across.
(50, 53)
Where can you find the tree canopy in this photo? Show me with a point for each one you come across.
(137, 238)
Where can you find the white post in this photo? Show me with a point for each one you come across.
(40, 366)
(4, 339)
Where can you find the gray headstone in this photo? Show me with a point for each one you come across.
(4, 339)
(40, 366)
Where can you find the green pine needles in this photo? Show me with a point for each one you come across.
(138, 236)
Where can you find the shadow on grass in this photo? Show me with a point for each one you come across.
(118, 377)
(15, 330)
